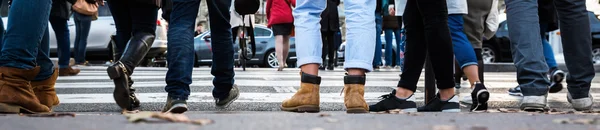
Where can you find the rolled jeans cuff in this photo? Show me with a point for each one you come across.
(533, 91)
(309, 60)
(351, 64)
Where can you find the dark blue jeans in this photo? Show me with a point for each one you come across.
(378, 22)
(63, 40)
(82, 30)
(389, 52)
(548, 53)
(181, 48)
(22, 47)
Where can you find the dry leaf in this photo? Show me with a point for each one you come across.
(202, 122)
(504, 110)
(145, 116)
(136, 117)
(125, 111)
(479, 128)
(444, 127)
(50, 115)
(324, 115)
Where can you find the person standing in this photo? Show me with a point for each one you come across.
(279, 14)
(396, 8)
(528, 54)
(181, 43)
(330, 25)
(83, 24)
(427, 33)
(378, 27)
(359, 54)
(135, 22)
(391, 28)
(59, 15)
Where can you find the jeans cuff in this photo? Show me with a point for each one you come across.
(309, 60)
(358, 64)
(177, 97)
(577, 92)
(467, 64)
(534, 91)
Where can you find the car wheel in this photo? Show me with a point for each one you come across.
(596, 54)
(271, 59)
(488, 54)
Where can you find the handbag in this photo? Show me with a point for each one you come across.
(83, 7)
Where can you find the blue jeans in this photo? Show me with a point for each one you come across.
(22, 47)
(524, 31)
(463, 51)
(378, 22)
(400, 57)
(82, 30)
(360, 38)
(548, 53)
(181, 48)
(63, 41)
(389, 47)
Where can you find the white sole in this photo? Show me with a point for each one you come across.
(451, 110)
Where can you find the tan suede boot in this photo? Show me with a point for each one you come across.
(44, 90)
(16, 93)
(354, 94)
(307, 97)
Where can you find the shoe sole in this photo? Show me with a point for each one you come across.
(356, 110)
(13, 109)
(557, 86)
(178, 109)
(228, 103)
(120, 94)
(483, 96)
(451, 110)
(533, 107)
(515, 94)
(303, 108)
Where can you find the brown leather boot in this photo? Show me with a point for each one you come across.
(307, 97)
(16, 93)
(69, 71)
(354, 94)
(44, 90)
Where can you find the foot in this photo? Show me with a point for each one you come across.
(69, 71)
(83, 64)
(306, 98)
(556, 78)
(534, 103)
(175, 106)
(516, 91)
(479, 97)
(582, 103)
(391, 102)
(321, 67)
(17, 95)
(44, 90)
(330, 67)
(233, 95)
(280, 68)
(354, 94)
(437, 105)
(124, 93)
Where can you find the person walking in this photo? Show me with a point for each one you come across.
(83, 24)
(391, 29)
(135, 23)
(528, 54)
(237, 22)
(378, 26)
(59, 15)
(28, 74)
(360, 49)
(427, 33)
(181, 43)
(396, 8)
(279, 14)
(330, 25)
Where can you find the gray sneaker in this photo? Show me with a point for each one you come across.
(534, 103)
(581, 104)
(234, 93)
(175, 106)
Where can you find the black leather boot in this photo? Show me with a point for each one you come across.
(121, 70)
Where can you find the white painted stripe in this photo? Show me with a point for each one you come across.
(268, 97)
(281, 89)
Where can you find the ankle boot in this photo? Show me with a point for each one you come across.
(16, 93)
(354, 91)
(69, 71)
(121, 70)
(307, 97)
(45, 92)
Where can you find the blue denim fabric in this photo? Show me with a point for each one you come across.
(463, 51)
(378, 26)
(400, 57)
(389, 53)
(360, 37)
(63, 41)
(181, 48)
(82, 30)
(548, 53)
(22, 47)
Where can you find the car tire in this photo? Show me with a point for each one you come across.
(489, 54)
(596, 54)
(268, 60)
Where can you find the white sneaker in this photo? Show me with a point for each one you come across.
(467, 99)
(534, 103)
(581, 104)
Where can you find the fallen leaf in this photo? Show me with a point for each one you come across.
(324, 115)
(137, 117)
(202, 122)
(50, 115)
(562, 121)
(146, 116)
(479, 128)
(331, 120)
(125, 111)
(444, 127)
(505, 110)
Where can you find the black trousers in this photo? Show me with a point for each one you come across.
(328, 47)
(427, 33)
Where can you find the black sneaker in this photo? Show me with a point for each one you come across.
(437, 105)
(391, 102)
(223, 103)
(556, 78)
(480, 96)
(175, 106)
(516, 91)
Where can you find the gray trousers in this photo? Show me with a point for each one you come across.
(527, 50)
(475, 20)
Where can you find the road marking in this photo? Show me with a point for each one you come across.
(281, 89)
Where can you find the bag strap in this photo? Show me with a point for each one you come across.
(251, 35)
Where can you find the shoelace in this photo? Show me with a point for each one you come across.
(386, 96)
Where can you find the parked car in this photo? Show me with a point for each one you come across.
(341, 51)
(497, 48)
(265, 49)
(99, 39)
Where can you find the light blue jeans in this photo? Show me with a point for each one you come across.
(360, 37)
